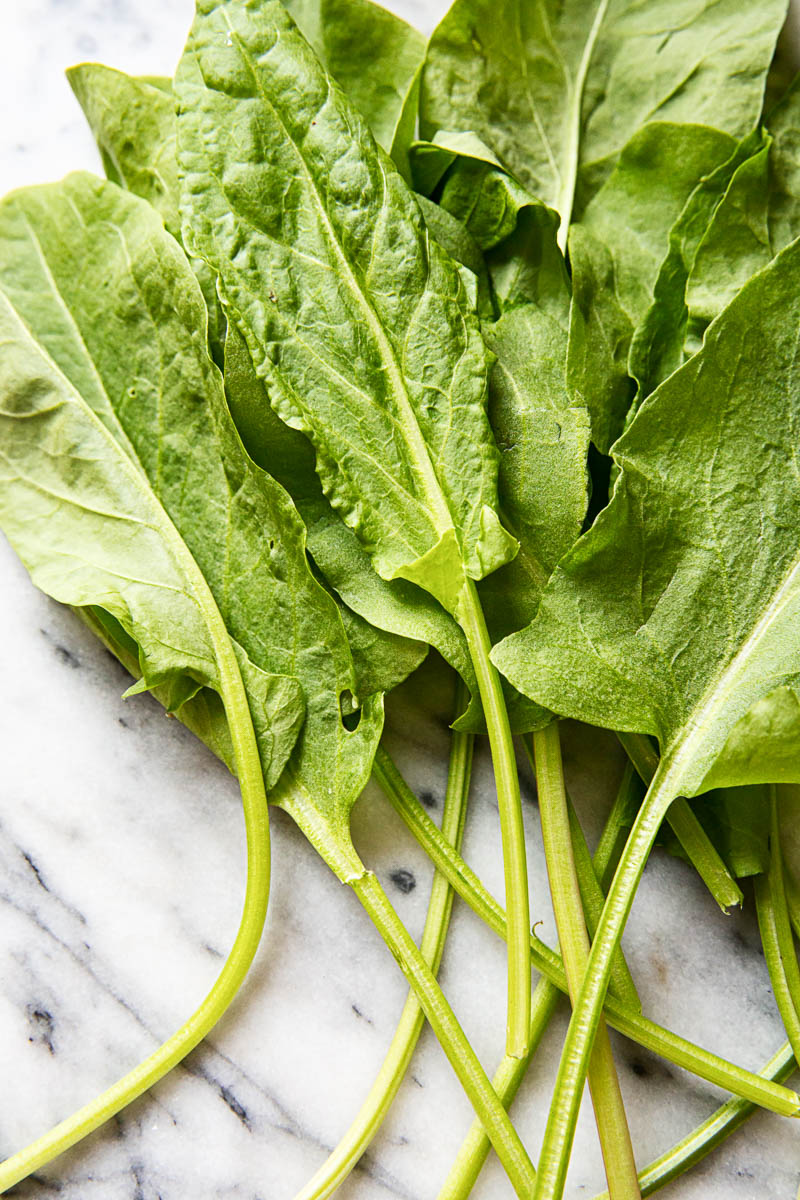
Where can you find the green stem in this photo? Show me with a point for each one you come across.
(367, 1122)
(776, 933)
(612, 1123)
(706, 1137)
(475, 1149)
(515, 864)
(468, 1164)
(615, 834)
(156, 1065)
(697, 845)
(452, 1039)
(646, 1033)
(592, 895)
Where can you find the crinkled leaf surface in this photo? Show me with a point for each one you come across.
(134, 125)
(108, 491)
(358, 322)
(557, 89)
(516, 232)
(94, 269)
(374, 56)
(679, 608)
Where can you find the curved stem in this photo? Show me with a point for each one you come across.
(612, 1123)
(340, 1163)
(776, 933)
(708, 1135)
(515, 863)
(452, 1038)
(156, 1065)
(668, 1045)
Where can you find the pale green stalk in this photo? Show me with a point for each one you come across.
(248, 766)
(515, 863)
(648, 1034)
(710, 1133)
(776, 933)
(475, 1148)
(609, 1109)
(697, 845)
(373, 1111)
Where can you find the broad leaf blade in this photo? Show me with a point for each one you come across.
(556, 90)
(89, 266)
(385, 369)
(373, 55)
(679, 609)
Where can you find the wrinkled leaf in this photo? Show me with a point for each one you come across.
(359, 324)
(92, 267)
(133, 122)
(679, 609)
(557, 89)
(102, 465)
(375, 57)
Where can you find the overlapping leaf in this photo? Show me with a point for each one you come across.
(101, 468)
(90, 268)
(358, 322)
(557, 89)
(679, 609)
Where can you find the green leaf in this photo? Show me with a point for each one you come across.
(557, 89)
(763, 747)
(134, 125)
(622, 255)
(108, 493)
(386, 369)
(375, 57)
(515, 231)
(678, 610)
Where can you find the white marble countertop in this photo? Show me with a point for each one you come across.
(121, 859)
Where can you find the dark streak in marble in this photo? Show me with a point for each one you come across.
(236, 1108)
(42, 1026)
(427, 798)
(360, 1014)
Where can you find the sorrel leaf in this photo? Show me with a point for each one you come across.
(377, 367)
(556, 90)
(98, 504)
(683, 534)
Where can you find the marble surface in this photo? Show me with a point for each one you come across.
(121, 857)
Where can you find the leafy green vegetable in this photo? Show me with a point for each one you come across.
(382, 76)
(363, 331)
(556, 90)
(681, 547)
(81, 262)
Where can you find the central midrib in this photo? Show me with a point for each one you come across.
(420, 456)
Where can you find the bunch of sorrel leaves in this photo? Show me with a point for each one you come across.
(490, 345)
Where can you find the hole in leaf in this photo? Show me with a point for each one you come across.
(350, 710)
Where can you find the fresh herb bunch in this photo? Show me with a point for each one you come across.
(367, 346)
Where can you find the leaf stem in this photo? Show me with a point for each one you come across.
(691, 1149)
(475, 1149)
(612, 1123)
(452, 1039)
(664, 1042)
(515, 864)
(776, 933)
(697, 845)
(343, 1159)
(91, 1116)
